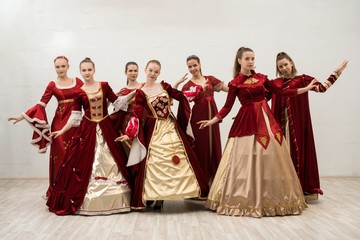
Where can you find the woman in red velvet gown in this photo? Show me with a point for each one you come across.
(121, 118)
(166, 168)
(93, 179)
(63, 89)
(207, 142)
(294, 117)
(255, 176)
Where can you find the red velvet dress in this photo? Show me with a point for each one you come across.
(207, 142)
(164, 138)
(92, 144)
(37, 118)
(294, 117)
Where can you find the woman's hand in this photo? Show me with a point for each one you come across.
(205, 84)
(56, 134)
(16, 119)
(181, 80)
(122, 138)
(341, 68)
(208, 123)
(311, 85)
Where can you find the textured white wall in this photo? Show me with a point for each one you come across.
(317, 34)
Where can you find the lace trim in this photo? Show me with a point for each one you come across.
(121, 103)
(75, 118)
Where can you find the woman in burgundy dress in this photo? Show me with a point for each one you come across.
(121, 118)
(294, 117)
(93, 179)
(63, 89)
(207, 142)
(255, 176)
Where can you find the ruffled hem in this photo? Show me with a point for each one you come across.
(41, 138)
(266, 211)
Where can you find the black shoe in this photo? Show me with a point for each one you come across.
(158, 205)
(149, 203)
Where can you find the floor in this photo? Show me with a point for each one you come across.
(23, 215)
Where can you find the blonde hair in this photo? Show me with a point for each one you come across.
(153, 61)
(61, 57)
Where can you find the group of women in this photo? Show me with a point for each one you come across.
(141, 154)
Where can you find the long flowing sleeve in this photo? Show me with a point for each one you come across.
(184, 110)
(37, 119)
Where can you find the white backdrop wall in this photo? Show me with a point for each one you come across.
(317, 34)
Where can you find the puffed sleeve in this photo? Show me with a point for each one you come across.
(138, 149)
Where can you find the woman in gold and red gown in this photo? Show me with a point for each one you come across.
(255, 177)
(93, 179)
(293, 114)
(166, 168)
(207, 142)
(63, 89)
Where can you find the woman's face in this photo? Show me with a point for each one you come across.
(247, 61)
(152, 71)
(132, 72)
(61, 67)
(194, 67)
(285, 67)
(87, 71)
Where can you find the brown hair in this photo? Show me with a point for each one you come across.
(194, 57)
(87, 60)
(153, 61)
(61, 56)
(280, 56)
(130, 63)
(239, 53)
(127, 66)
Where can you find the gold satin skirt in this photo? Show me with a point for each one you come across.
(107, 192)
(164, 179)
(253, 181)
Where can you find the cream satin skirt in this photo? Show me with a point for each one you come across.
(107, 192)
(164, 179)
(253, 181)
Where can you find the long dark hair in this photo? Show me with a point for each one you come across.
(239, 53)
(127, 66)
(194, 57)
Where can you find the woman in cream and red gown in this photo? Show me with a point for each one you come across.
(93, 179)
(255, 176)
(166, 168)
(293, 114)
(63, 90)
(207, 142)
